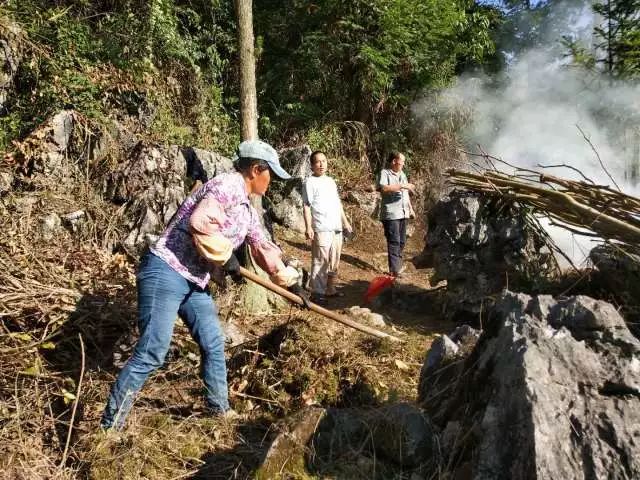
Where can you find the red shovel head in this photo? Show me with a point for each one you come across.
(377, 285)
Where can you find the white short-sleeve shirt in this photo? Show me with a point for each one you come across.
(321, 194)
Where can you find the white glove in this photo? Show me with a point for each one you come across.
(285, 277)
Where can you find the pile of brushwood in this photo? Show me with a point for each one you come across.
(583, 207)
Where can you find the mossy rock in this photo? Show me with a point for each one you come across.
(286, 457)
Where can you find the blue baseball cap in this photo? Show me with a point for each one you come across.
(262, 151)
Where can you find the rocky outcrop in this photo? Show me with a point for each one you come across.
(46, 150)
(290, 447)
(617, 274)
(444, 363)
(65, 147)
(153, 184)
(479, 246)
(551, 390)
(10, 57)
(368, 202)
(286, 207)
(317, 438)
(296, 161)
(285, 198)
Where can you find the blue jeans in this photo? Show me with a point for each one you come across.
(395, 232)
(164, 294)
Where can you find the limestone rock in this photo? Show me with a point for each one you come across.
(444, 363)
(443, 350)
(451, 434)
(153, 184)
(317, 440)
(296, 161)
(233, 334)
(367, 316)
(551, 390)
(203, 165)
(618, 274)
(366, 201)
(402, 433)
(284, 200)
(6, 182)
(288, 451)
(287, 208)
(10, 57)
(45, 150)
(479, 246)
(74, 220)
(49, 225)
(465, 336)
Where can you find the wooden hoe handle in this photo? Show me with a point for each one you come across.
(312, 306)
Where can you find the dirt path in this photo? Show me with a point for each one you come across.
(365, 258)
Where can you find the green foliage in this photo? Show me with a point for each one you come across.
(99, 56)
(580, 55)
(323, 67)
(360, 60)
(619, 34)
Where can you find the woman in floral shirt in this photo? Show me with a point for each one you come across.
(173, 277)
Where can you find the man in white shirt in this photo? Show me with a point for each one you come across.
(324, 221)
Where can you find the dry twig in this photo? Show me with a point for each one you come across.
(75, 405)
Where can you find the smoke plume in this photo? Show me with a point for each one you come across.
(539, 110)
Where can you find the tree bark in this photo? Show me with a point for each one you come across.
(257, 300)
(248, 96)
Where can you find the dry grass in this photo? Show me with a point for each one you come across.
(58, 284)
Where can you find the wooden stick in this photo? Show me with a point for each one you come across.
(316, 308)
(75, 405)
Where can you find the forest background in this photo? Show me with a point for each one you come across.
(341, 76)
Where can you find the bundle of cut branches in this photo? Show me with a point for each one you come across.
(583, 207)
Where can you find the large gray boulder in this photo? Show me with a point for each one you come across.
(287, 208)
(552, 390)
(285, 198)
(327, 440)
(479, 246)
(616, 273)
(400, 433)
(288, 453)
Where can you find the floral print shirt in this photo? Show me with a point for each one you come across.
(238, 222)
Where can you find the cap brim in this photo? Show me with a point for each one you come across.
(280, 172)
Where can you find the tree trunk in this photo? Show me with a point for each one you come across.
(248, 97)
(257, 300)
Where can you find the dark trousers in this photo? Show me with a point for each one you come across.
(395, 231)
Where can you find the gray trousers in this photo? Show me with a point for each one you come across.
(325, 260)
(395, 231)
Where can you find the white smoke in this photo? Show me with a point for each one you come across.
(536, 112)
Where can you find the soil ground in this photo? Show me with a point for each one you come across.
(299, 359)
(292, 359)
(365, 258)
